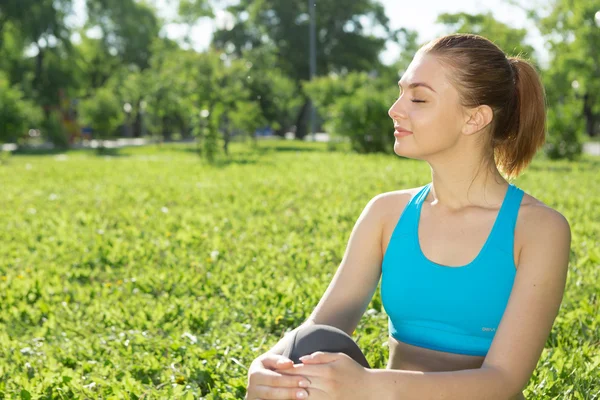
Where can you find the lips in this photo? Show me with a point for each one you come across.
(399, 132)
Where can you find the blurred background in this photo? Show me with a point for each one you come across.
(106, 73)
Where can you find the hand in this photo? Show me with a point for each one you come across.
(333, 376)
(265, 381)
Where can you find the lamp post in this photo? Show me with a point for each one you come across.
(143, 105)
(312, 4)
(204, 114)
(127, 109)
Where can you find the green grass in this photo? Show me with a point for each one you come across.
(149, 274)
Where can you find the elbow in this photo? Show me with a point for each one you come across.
(509, 387)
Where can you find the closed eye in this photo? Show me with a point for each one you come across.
(418, 101)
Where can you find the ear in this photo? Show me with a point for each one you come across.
(477, 118)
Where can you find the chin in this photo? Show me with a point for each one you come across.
(404, 151)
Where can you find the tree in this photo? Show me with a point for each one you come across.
(17, 115)
(103, 113)
(572, 32)
(356, 106)
(128, 28)
(510, 40)
(41, 24)
(344, 41)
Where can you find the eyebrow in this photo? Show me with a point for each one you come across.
(417, 84)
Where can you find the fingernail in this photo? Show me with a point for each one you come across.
(303, 384)
(301, 394)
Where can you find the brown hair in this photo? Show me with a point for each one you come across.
(510, 86)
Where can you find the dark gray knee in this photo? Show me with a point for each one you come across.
(318, 337)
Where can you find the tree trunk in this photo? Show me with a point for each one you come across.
(301, 119)
(137, 124)
(39, 64)
(590, 117)
(165, 128)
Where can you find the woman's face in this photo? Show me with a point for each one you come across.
(433, 115)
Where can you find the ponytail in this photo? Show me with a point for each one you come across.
(526, 131)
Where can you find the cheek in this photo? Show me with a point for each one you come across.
(424, 121)
(432, 121)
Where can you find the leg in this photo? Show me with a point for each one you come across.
(323, 338)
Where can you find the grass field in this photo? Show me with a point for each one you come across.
(149, 274)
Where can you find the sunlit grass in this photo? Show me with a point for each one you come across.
(149, 272)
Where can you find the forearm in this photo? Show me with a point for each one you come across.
(482, 383)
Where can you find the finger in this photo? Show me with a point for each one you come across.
(320, 357)
(275, 379)
(277, 361)
(277, 393)
(306, 370)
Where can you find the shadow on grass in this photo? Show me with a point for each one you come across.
(289, 148)
(112, 152)
(38, 152)
(221, 163)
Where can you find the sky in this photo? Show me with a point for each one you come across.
(416, 15)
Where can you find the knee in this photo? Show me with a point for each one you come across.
(322, 329)
(328, 336)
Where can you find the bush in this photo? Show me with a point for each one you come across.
(103, 113)
(17, 115)
(53, 130)
(362, 117)
(565, 137)
(356, 107)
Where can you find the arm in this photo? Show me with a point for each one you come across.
(354, 283)
(527, 321)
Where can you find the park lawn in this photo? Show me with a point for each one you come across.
(149, 274)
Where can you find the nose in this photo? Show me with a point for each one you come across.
(396, 112)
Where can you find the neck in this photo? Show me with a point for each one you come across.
(461, 181)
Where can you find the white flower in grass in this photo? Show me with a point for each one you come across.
(164, 210)
(192, 338)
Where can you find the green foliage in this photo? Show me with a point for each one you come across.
(119, 281)
(572, 36)
(510, 40)
(565, 135)
(128, 28)
(326, 90)
(276, 93)
(343, 41)
(103, 112)
(363, 118)
(356, 107)
(17, 115)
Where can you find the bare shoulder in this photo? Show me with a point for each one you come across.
(539, 224)
(391, 204)
(397, 197)
(536, 216)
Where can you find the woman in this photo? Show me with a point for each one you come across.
(472, 268)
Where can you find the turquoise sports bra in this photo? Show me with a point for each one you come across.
(451, 309)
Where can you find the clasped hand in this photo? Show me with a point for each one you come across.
(332, 376)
